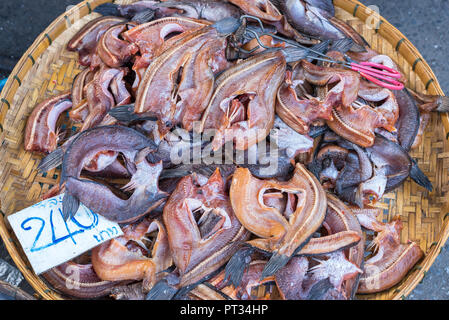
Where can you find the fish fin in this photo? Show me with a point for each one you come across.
(349, 194)
(168, 270)
(108, 9)
(357, 281)
(237, 265)
(324, 5)
(162, 291)
(125, 114)
(276, 3)
(276, 262)
(181, 294)
(51, 161)
(130, 186)
(60, 134)
(322, 47)
(144, 16)
(319, 289)
(357, 47)
(293, 54)
(316, 131)
(419, 177)
(224, 295)
(70, 205)
(342, 45)
(443, 104)
(366, 43)
(315, 168)
(179, 172)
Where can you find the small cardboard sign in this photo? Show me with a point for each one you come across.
(49, 241)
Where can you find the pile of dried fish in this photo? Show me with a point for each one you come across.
(234, 157)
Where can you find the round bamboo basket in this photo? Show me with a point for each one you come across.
(47, 69)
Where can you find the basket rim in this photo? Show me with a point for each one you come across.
(40, 44)
(60, 24)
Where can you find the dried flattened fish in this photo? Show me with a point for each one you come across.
(86, 40)
(202, 228)
(282, 232)
(134, 256)
(242, 106)
(41, 134)
(113, 51)
(183, 76)
(134, 147)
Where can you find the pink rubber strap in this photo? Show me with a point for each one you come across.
(385, 77)
(392, 73)
(391, 84)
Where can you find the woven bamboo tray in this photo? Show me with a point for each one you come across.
(47, 69)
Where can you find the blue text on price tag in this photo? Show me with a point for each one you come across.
(49, 241)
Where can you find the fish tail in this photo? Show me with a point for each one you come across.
(322, 47)
(162, 291)
(294, 54)
(276, 3)
(319, 289)
(315, 131)
(237, 265)
(224, 295)
(51, 161)
(315, 169)
(419, 177)
(108, 9)
(276, 262)
(356, 47)
(125, 114)
(356, 282)
(443, 104)
(144, 16)
(175, 173)
(70, 205)
(181, 294)
(342, 45)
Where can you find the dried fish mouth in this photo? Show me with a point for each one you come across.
(283, 200)
(267, 70)
(237, 109)
(134, 256)
(209, 220)
(236, 112)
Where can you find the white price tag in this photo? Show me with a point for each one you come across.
(49, 241)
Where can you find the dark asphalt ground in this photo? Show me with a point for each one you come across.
(422, 22)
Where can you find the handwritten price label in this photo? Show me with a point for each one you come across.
(49, 241)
